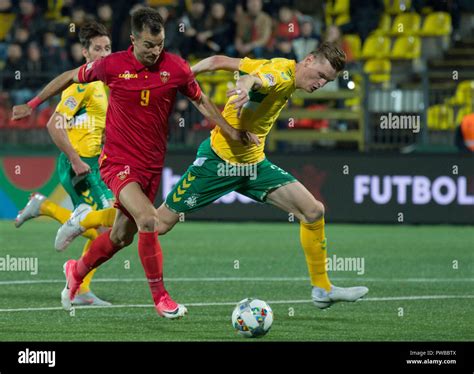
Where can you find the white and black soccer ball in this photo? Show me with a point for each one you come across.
(252, 318)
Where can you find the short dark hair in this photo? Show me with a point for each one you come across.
(91, 30)
(333, 53)
(146, 18)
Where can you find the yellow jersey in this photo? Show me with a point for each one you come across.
(84, 107)
(260, 113)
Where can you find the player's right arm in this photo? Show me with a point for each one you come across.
(214, 63)
(53, 88)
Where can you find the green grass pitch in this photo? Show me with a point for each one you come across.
(420, 278)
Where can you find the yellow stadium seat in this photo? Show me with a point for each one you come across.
(378, 70)
(440, 117)
(384, 25)
(397, 6)
(376, 46)
(436, 24)
(406, 48)
(336, 7)
(342, 19)
(6, 22)
(464, 94)
(406, 24)
(354, 43)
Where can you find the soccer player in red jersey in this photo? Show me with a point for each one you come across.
(143, 82)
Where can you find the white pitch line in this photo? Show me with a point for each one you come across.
(246, 279)
(232, 303)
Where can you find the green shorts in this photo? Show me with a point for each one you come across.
(210, 177)
(91, 190)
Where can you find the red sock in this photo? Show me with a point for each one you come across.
(151, 256)
(100, 251)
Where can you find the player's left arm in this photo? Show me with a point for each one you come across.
(209, 110)
(214, 63)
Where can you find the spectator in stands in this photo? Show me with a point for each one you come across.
(171, 30)
(21, 37)
(29, 18)
(13, 74)
(334, 35)
(254, 29)
(364, 17)
(105, 15)
(6, 6)
(218, 33)
(287, 29)
(54, 53)
(76, 58)
(308, 40)
(193, 23)
(35, 66)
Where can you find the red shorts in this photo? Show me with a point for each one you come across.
(117, 176)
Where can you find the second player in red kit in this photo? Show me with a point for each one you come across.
(143, 82)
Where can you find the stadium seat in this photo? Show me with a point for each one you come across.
(336, 7)
(384, 25)
(406, 48)
(406, 24)
(394, 7)
(378, 70)
(6, 22)
(440, 117)
(337, 12)
(436, 24)
(464, 95)
(354, 43)
(376, 46)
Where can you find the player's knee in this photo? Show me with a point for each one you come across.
(147, 221)
(121, 240)
(313, 211)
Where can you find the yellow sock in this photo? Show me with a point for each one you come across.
(313, 242)
(85, 286)
(53, 210)
(97, 218)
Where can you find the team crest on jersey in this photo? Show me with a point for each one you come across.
(122, 175)
(270, 79)
(70, 102)
(165, 76)
(89, 66)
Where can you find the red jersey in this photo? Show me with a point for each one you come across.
(140, 101)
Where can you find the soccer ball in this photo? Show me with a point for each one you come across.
(252, 318)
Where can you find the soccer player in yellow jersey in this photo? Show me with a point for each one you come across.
(223, 165)
(77, 128)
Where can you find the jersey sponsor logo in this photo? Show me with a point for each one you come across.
(128, 76)
(165, 76)
(79, 89)
(191, 201)
(70, 102)
(284, 76)
(270, 79)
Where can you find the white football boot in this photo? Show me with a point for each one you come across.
(89, 298)
(31, 210)
(324, 299)
(71, 229)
